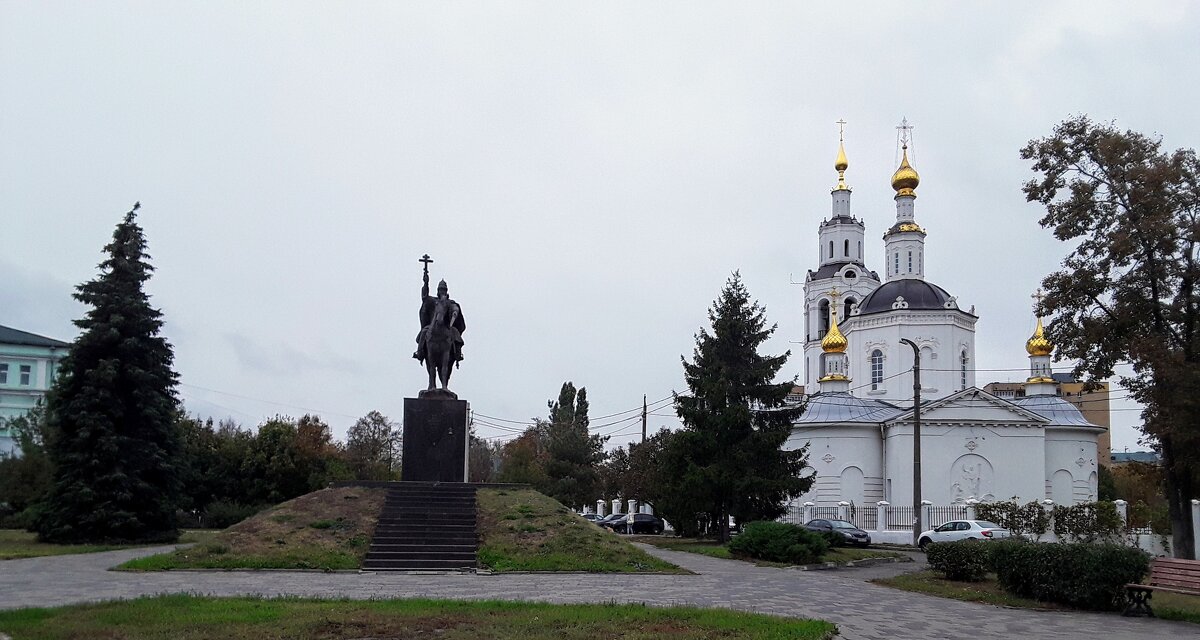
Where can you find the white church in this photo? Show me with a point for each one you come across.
(974, 445)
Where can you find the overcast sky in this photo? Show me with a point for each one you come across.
(585, 177)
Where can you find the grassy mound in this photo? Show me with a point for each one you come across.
(327, 529)
(192, 618)
(523, 530)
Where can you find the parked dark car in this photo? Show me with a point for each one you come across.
(642, 523)
(590, 517)
(849, 532)
(608, 518)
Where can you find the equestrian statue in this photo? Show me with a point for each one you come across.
(439, 343)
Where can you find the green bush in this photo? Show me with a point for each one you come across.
(779, 542)
(1087, 576)
(966, 560)
(220, 514)
(833, 539)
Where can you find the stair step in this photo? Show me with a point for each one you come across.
(403, 565)
(413, 555)
(425, 527)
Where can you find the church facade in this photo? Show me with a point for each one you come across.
(859, 433)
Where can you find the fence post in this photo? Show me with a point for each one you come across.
(971, 514)
(881, 508)
(600, 510)
(808, 511)
(844, 510)
(616, 505)
(632, 504)
(1195, 529)
(926, 516)
(1123, 511)
(648, 509)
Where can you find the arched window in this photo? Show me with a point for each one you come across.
(850, 302)
(897, 259)
(876, 369)
(846, 248)
(860, 249)
(831, 249)
(963, 362)
(910, 262)
(822, 319)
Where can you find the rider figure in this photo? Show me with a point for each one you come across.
(454, 320)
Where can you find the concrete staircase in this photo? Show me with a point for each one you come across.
(425, 526)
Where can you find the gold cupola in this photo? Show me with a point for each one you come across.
(841, 164)
(834, 341)
(1038, 345)
(905, 180)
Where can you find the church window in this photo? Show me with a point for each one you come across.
(831, 249)
(897, 260)
(910, 262)
(846, 248)
(963, 362)
(860, 249)
(822, 319)
(876, 369)
(850, 302)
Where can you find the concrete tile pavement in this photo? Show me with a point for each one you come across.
(861, 610)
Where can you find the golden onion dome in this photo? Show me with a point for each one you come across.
(841, 164)
(1038, 345)
(834, 341)
(905, 180)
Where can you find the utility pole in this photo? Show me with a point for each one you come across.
(916, 439)
(643, 417)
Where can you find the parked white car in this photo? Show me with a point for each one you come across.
(963, 530)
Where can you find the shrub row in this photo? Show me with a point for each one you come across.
(1087, 576)
(779, 542)
(1085, 522)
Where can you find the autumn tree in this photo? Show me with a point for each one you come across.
(1129, 289)
(373, 447)
(728, 459)
(112, 411)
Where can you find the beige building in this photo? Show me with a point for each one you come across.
(1093, 405)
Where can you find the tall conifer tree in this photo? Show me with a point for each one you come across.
(112, 411)
(728, 459)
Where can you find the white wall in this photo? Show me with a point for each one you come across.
(839, 454)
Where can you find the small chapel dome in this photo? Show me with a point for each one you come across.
(1038, 345)
(834, 341)
(905, 179)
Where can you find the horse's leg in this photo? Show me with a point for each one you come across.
(431, 367)
(445, 373)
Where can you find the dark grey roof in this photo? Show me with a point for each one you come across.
(9, 335)
(1136, 456)
(1059, 412)
(919, 294)
(842, 408)
(831, 269)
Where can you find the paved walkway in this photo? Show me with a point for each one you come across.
(861, 610)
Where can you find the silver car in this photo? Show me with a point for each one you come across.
(963, 530)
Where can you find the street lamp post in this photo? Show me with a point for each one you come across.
(916, 439)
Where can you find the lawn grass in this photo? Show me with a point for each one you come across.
(16, 544)
(328, 530)
(192, 618)
(1169, 606)
(523, 530)
(987, 591)
(839, 555)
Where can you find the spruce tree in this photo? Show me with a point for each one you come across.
(112, 412)
(728, 459)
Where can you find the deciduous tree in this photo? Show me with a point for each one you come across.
(1129, 290)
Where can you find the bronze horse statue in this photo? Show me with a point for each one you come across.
(440, 348)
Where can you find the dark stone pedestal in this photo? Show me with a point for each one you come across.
(435, 440)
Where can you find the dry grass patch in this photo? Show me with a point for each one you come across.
(327, 529)
(523, 530)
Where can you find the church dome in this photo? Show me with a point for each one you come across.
(905, 179)
(917, 294)
(1038, 345)
(834, 341)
